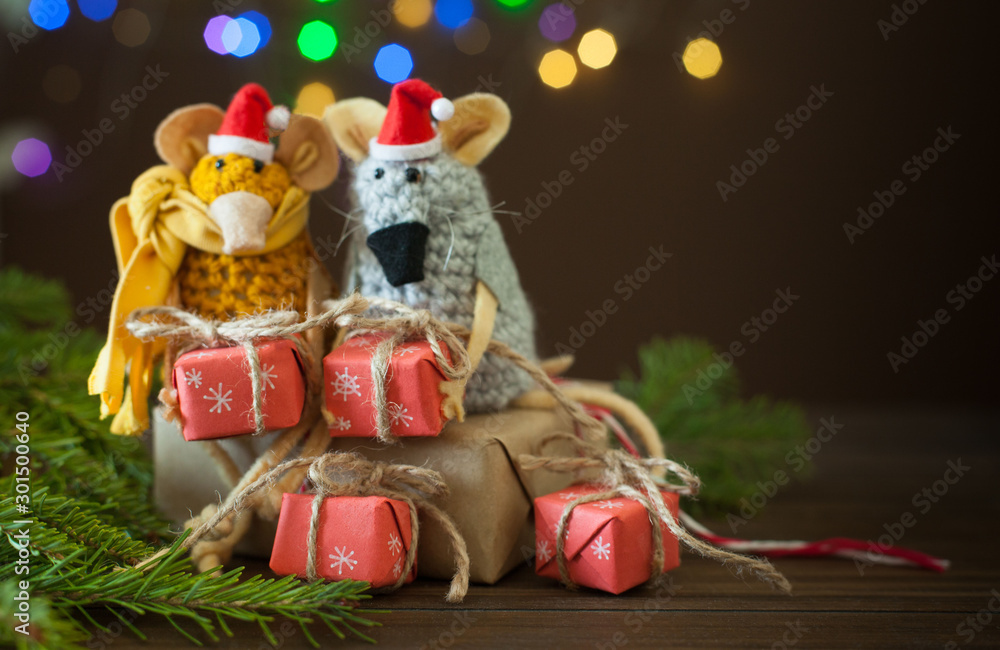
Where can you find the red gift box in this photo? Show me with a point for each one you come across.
(361, 538)
(411, 389)
(609, 543)
(215, 391)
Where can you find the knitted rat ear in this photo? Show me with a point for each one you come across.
(308, 152)
(353, 123)
(480, 122)
(182, 138)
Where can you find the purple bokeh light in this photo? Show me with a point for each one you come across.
(31, 157)
(557, 22)
(213, 34)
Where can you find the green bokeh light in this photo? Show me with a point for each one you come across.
(317, 40)
(513, 4)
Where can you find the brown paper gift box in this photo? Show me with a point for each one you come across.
(491, 497)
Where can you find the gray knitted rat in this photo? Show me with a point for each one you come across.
(427, 236)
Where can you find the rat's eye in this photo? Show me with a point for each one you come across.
(379, 173)
(258, 165)
(220, 163)
(412, 175)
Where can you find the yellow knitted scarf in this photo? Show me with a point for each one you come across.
(152, 228)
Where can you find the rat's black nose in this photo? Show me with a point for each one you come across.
(400, 250)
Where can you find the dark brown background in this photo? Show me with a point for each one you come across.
(654, 185)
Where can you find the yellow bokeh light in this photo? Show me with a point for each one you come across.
(131, 27)
(557, 69)
(412, 13)
(597, 48)
(314, 98)
(702, 58)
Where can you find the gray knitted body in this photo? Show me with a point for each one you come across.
(465, 245)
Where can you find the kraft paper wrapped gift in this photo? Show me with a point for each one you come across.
(411, 388)
(185, 479)
(215, 390)
(491, 497)
(361, 538)
(608, 543)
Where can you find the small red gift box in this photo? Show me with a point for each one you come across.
(215, 391)
(609, 543)
(411, 389)
(361, 538)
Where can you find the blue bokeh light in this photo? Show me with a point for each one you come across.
(98, 9)
(453, 13)
(262, 23)
(49, 14)
(393, 63)
(247, 38)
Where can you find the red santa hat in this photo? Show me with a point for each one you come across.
(246, 128)
(407, 132)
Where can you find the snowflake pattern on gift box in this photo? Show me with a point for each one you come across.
(608, 504)
(345, 384)
(601, 550)
(193, 376)
(397, 568)
(543, 551)
(405, 350)
(220, 399)
(341, 424)
(395, 544)
(342, 558)
(569, 496)
(266, 375)
(397, 414)
(201, 355)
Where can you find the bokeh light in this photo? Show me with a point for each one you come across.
(472, 37)
(213, 34)
(597, 48)
(557, 22)
(49, 14)
(61, 83)
(262, 23)
(513, 4)
(31, 157)
(393, 63)
(453, 13)
(97, 9)
(314, 98)
(702, 58)
(412, 13)
(317, 40)
(557, 69)
(240, 37)
(131, 27)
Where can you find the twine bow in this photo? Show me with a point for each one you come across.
(344, 473)
(248, 332)
(623, 475)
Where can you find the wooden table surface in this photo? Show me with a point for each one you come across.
(865, 479)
